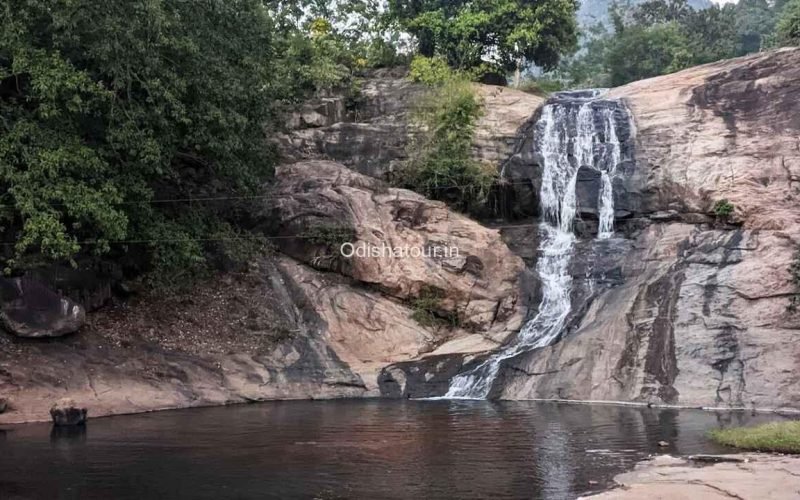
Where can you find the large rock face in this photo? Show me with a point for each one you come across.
(466, 267)
(305, 324)
(369, 133)
(700, 316)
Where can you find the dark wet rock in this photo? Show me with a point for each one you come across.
(3, 405)
(91, 284)
(716, 459)
(427, 378)
(30, 309)
(66, 412)
(587, 191)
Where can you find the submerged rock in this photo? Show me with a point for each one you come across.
(30, 309)
(65, 412)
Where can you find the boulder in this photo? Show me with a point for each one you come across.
(316, 206)
(65, 412)
(30, 309)
(587, 191)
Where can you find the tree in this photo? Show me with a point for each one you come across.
(755, 23)
(469, 34)
(646, 51)
(788, 28)
(108, 106)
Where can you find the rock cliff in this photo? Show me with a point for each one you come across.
(700, 316)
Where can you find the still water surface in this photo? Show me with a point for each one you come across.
(349, 449)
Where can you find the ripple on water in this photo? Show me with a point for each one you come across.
(350, 449)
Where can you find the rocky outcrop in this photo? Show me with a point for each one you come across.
(307, 323)
(244, 338)
(700, 315)
(750, 476)
(407, 247)
(30, 309)
(370, 131)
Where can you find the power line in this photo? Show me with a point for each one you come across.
(240, 238)
(256, 197)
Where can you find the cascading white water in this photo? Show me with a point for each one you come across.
(605, 227)
(605, 211)
(563, 152)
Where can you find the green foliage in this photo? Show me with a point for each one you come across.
(427, 309)
(441, 166)
(108, 109)
(468, 34)
(779, 437)
(105, 106)
(788, 27)
(662, 36)
(329, 235)
(794, 271)
(541, 86)
(723, 208)
(430, 70)
(642, 52)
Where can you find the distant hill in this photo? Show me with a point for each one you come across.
(593, 11)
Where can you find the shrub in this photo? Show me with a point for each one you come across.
(540, 86)
(329, 235)
(430, 70)
(440, 164)
(427, 309)
(723, 208)
(794, 270)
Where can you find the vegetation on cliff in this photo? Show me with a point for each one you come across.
(781, 437)
(440, 164)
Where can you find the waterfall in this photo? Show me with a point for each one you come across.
(605, 212)
(567, 138)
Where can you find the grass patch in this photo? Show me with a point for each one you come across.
(781, 437)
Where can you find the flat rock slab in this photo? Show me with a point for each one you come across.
(755, 477)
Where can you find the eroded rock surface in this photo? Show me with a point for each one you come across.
(370, 132)
(475, 278)
(750, 476)
(700, 315)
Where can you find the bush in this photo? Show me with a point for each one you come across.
(329, 235)
(794, 270)
(780, 437)
(430, 70)
(428, 310)
(542, 87)
(723, 208)
(440, 163)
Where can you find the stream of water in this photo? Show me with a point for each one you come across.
(575, 130)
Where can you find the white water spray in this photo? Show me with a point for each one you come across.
(567, 141)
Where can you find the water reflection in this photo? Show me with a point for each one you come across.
(349, 449)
